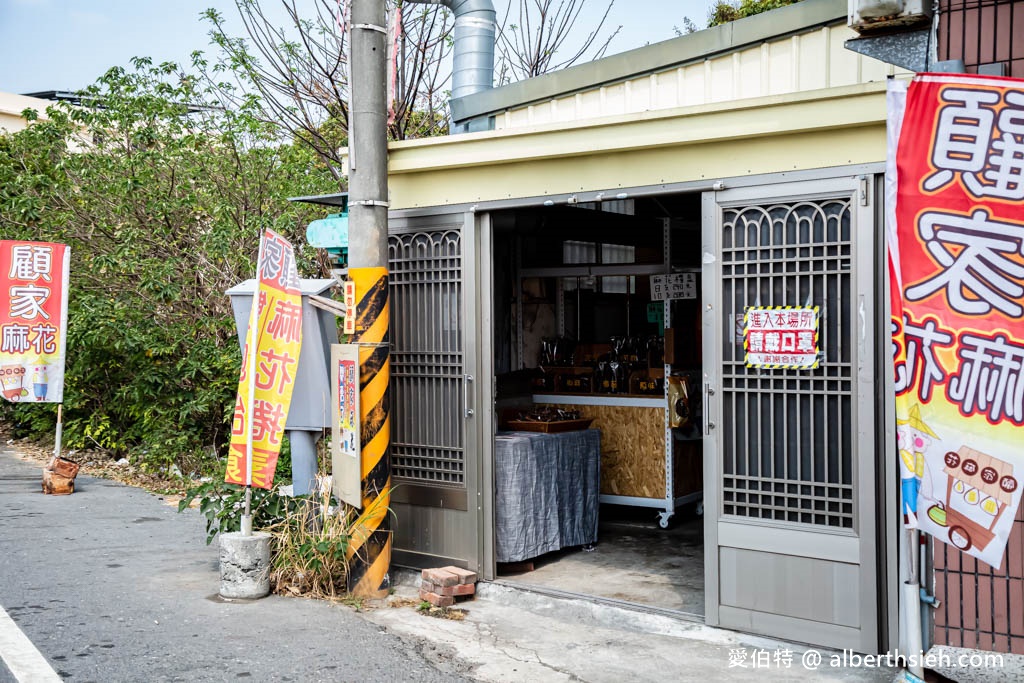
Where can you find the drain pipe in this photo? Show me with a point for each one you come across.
(912, 610)
(475, 29)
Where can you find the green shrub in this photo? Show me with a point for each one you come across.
(724, 11)
(222, 504)
(162, 205)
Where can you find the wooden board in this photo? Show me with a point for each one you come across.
(688, 467)
(632, 449)
(548, 427)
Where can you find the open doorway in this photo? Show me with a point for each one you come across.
(598, 376)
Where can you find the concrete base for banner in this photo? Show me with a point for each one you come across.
(244, 565)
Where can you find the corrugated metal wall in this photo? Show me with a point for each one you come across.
(809, 61)
(982, 608)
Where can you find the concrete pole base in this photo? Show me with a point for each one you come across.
(244, 565)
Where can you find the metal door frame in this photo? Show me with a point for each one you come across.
(866, 508)
(410, 494)
(486, 389)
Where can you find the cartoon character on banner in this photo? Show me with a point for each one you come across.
(913, 438)
(40, 379)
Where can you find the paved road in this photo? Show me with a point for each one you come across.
(112, 584)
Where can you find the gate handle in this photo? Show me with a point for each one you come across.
(465, 395)
(706, 407)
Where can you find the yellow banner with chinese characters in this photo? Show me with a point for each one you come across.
(265, 394)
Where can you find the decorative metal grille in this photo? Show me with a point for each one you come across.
(788, 452)
(427, 442)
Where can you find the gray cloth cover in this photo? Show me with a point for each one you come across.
(547, 491)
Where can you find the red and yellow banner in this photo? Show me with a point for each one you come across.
(956, 244)
(267, 381)
(33, 320)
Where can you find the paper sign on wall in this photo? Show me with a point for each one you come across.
(350, 308)
(674, 286)
(781, 337)
(346, 423)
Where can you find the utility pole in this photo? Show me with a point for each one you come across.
(370, 546)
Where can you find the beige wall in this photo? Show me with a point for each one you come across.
(12, 105)
(797, 131)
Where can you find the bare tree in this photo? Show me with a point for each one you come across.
(421, 92)
(535, 35)
(297, 74)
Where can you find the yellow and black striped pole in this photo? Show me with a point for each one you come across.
(370, 546)
(369, 556)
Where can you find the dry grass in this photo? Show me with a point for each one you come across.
(450, 613)
(310, 547)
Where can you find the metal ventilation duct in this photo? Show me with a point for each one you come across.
(475, 26)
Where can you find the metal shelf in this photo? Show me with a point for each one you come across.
(600, 400)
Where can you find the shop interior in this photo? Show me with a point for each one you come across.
(598, 364)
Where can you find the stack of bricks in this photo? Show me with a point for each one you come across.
(441, 586)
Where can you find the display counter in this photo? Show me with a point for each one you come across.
(637, 466)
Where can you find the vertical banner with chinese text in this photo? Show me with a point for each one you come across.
(277, 311)
(33, 320)
(957, 276)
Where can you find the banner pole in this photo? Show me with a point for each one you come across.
(60, 431)
(254, 319)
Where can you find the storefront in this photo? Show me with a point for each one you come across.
(593, 261)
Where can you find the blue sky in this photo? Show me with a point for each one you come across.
(67, 44)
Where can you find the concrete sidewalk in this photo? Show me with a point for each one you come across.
(510, 634)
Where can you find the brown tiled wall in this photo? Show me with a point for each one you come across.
(982, 32)
(982, 608)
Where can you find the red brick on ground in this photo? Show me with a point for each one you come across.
(459, 590)
(437, 600)
(440, 577)
(465, 576)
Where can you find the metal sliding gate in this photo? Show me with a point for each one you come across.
(790, 484)
(432, 477)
